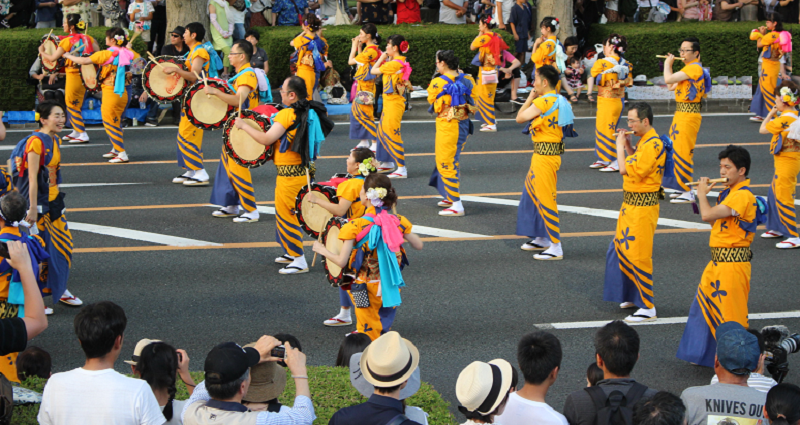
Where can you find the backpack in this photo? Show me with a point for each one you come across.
(615, 408)
(264, 89)
(337, 94)
(6, 400)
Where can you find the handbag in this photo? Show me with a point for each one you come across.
(360, 295)
(365, 98)
(489, 77)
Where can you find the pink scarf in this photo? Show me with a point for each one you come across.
(392, 236)
(406, 70)
(125, 56)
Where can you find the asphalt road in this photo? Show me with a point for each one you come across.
(467, 299)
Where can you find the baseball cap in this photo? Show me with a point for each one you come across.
(137, 350)
(179, 30)
(737, 349)
(228, 361)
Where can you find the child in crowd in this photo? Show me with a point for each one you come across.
(593, 375)
(141, 12)
(34, 362)
(574, 73)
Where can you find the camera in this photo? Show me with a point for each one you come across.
(779, 343)
(279, 352)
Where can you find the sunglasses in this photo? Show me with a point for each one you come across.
(174, 35)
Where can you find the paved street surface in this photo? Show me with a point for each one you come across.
(195, 281)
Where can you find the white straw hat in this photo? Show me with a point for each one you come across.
(481, 387)
(389, 360)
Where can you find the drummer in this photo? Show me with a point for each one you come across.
(233, 184)
(360, 164)
(114, 63)
(190, 138)
(292, 175)
(77, 44)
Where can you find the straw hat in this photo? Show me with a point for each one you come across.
(137, 351)
(481, 387)
(366, 389)
(389, 360)
(267, 381)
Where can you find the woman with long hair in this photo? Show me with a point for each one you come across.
(159, 364)
(364, 53)
(77, 44)
(396, 72)
(312, 51)
(769, 39)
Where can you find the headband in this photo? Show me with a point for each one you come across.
(376, 195)
(789, 97)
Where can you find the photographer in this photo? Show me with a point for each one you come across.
(218, 399)
(757, 380)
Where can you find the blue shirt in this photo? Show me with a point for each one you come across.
(287, 11)
(45, 14)
(378, 410)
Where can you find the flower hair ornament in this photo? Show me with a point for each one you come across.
(119, 38)
(305, 23)
(37, 116)
(555, 23)
(403, 46)
(366, 167)
(789, 97)
(489, 20)
(81, 25)
(376, 195)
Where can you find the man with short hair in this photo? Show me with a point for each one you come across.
(218, 399)
(725, 285)
(757, 380)
(176, 47)
(96, 393)
(731, 399)
(539, 358)
(617, 350)
(664, 408)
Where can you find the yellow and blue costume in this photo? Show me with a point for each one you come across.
(764, 99)
(629, 261)
(190, 138)
(350, 190)
(490, 55)
(612, 74)
(362, 117)
(291, 178)
(686, 123)
(781, 216)
(114, 102)
(390, 142)
(451, 100)
(725, 286)
(74, 90)
(310, 60)
(233, 184)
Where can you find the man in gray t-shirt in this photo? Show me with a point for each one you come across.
(452, 12)
(730, 401)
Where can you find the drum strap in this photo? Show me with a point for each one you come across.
(232, 80)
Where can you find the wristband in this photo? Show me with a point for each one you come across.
(300, 376)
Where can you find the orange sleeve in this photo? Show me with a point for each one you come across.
(405, 225)
(34, 145)
(350, 190)
(391, 67)
(99, 58)
(350, 230)
(285, 117)
(778, 125)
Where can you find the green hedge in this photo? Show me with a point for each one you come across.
(330, 391)
(18, 50)
(726, 46)
(424, 41)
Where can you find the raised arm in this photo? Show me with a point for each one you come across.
(376, 69)
(528, 111)
(669, 76)
(708, 213)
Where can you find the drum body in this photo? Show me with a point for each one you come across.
(313, 218)
(330, 238)
(89, 74)
(50, 47)
(240, 146)
(163, 87)
(337, 179)
(204, 111)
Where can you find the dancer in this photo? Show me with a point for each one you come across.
(725, 286)
(190, 138)
(363, 55)
(36, 174)
(114, 63)
(629, 262)
(396, 73)
(769, 38)
(233, 184)
(785, 148)
(546, 48)
(491, 58)
(537, 215)
(379, 257)
(312, 52)
(74, 92)
(691, 84)
(360, 164)
(450, 96)
(612, 75)
(297, 127)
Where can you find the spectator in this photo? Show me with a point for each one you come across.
(374, 11)
(50, 87)
(159, 26)
(140, 14)
(483, 390)
(757, 379)
(34, 362)
(261, 13)
(237, 16)
(519, 24)
(327, 9)
(502, 11)
(612, 12)
(46, 13)
(139, 98)
(267, 382)
(221, 30)
(113, 14)
(574, 74)
(388, 364)
(452, 12)
(664, 408)
(292, 340)
(157, 364)
(737, 355)
(408, 11)
(366, 389)
(643, 11)
(96, 393)
(353, 343)
(259, 59)
(18, 13)
(539, 359)
(288, 12)
(783, 405)
(81, 7)
(217, 400)
(691, 10)
(617, 350)
(176, 47)
(705, 10)
(724, 10)
(593, 375)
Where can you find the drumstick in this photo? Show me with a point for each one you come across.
(240, 115)
(664, 57)
(156, 62)
(48, 35)
(319, 237)
(208, 96)
(720, 180)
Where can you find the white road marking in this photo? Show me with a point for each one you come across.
(594, 212)
(661, 321)
(138, 235)
(715, 194)
(96, 184)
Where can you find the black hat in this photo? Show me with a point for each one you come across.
(179, 30)
(228, 361)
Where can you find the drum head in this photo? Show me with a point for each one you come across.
(89, 76)
(204, 111)
(161, 86)
(313, 218)
(334, 245)
(50, 46)
(242, 148)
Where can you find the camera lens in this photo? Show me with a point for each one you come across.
(791, 344)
